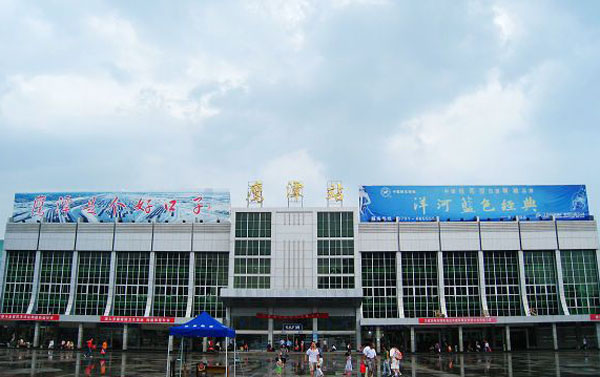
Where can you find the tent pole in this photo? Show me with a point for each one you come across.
(226, 360)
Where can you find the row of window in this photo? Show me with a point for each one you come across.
(461, 283)
(131, 283)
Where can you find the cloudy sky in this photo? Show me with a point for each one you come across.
(171, 95)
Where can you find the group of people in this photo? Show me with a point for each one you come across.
(477, 346)
(391, 362)
(91, 346)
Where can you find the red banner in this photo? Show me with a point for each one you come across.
(457, 320)
(29, 317)
(594, 317)
(132, 319)
(286, 317)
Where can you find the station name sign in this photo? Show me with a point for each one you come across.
(292, 327)
(456, 203)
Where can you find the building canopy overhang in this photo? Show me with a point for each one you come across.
(291, 298)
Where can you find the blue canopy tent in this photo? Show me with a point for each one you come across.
(200, 327)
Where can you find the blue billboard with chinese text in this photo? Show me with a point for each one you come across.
(204, 205)
(455, 203)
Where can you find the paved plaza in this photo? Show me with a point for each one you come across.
(153, 364)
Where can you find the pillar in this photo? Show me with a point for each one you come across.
(358, 334)
(378, 339)
(560, 283)
(413, 342)
(598, 335)
(79, 336)
(509, 365)
(399, 287)
(170, 344)
(36, 335)
(522, 285)
(204, 344)
(125, 336)
(123, 364)
(460, 339)
(555, 336)
(482, 289)
(270, 336)
(507, 331)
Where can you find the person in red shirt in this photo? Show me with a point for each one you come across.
(90, 347)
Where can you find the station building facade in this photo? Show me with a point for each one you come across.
(306, 273)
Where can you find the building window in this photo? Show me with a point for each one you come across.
(580, 278)
(93, 276)
(379, 285)
(171, 284)
(252, 263)
(540, 282)
(55, 282)
(420, 284)
(131, 285)
(253, 224)
(211, 276)
(19, 281)
(502, 283)
(461, 284)
(335, 224)
(335, 250)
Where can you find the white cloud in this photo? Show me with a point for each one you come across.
(505, 22)
(345, 3)
(481, 135)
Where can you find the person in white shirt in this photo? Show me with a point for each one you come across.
(370, 355)
(312, 355)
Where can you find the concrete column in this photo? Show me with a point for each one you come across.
(73, 284)
(170, 344)
(36, 335)
(460, 339)
(315, 323)
(191, 285)
(413, 366)
(125, 336)
(36, 282)
(440, 267)
(378, 339)
(123, 364)
(228, 316)
(270, 336)
(598, 335)
(555, 336)
(413, 340)
(204, 344)
(112, 278)
(399, 287)
(522, 285)
(151, 273)
(79, 336)
(507, 333)
(560, 282)
(358, 334)
(482, 290)
(509, 365)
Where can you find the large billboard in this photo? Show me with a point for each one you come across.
(426, 203)
(205, 205)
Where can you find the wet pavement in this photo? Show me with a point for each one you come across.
(152, 364)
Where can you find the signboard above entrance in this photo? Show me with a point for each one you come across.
(292, 327)
(456, 203)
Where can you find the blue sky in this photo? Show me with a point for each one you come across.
(167, 95)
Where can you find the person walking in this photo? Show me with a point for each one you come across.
(396, 358)
(386, 371)
(104, 348)
(370, 355)
(348, 367)
(89, 346)
(312, 356)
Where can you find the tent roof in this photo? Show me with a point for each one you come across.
(202, 326)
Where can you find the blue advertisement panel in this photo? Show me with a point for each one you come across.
(426, 203)
(205, 205)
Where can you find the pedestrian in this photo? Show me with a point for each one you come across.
(486, 346)
(104, 348)
(348, 367)
(279, 364)
(312, 356)
(386, 371)
(89, 348)
(396, 358)
(370, 355)
(584, 345)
